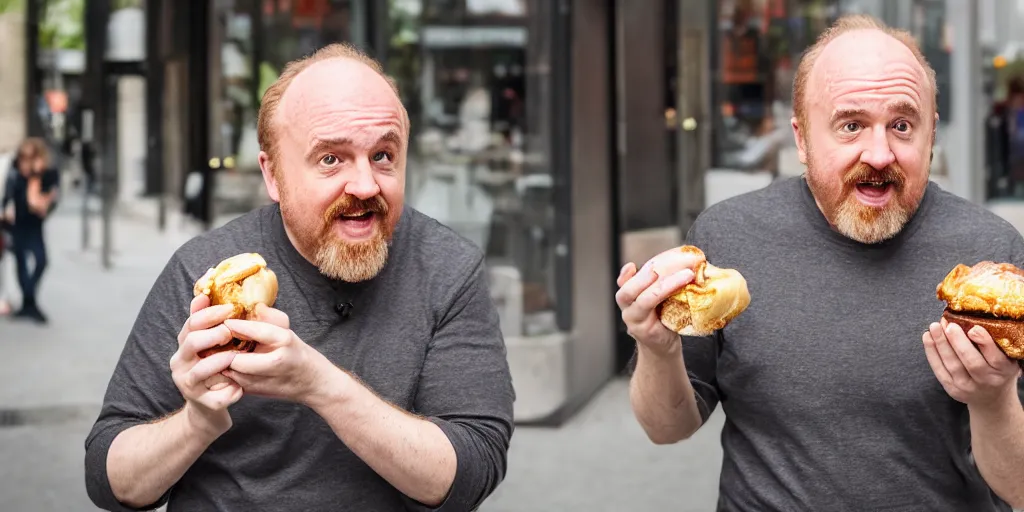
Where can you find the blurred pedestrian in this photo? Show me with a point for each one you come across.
(841, 388)
(379, 381)
(33, 194)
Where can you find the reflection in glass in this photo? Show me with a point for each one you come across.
(275, 33)
(233, 148)
(759, 46)
(477, 90)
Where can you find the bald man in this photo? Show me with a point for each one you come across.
(380, 381)
(841, 392)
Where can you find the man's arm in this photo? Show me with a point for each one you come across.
(674, 392)
(671, 403)
(144, 461)
(997, 441)
(997, 431)
(450, 452)
(127, 458)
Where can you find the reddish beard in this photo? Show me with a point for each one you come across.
(863, 223)
(353, 261)
(334, 257)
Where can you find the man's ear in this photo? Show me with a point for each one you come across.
(267, 167)
(801, 144)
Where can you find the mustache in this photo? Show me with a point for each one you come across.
(348, 204)
(862, 172)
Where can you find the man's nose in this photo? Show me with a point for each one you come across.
(363, 184)
(878, 154)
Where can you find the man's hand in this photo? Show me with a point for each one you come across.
(639, 295)
(282, 366)
(207, 392)
(974, 375)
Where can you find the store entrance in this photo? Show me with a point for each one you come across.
(646, 185)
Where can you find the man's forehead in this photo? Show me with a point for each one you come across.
(337, 83)
(867, 59)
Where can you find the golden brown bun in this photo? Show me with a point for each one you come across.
(1008, 333)
(990, 295)
(242, 281)
(709, 302)
(986, 288)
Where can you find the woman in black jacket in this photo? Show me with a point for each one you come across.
(33, 194)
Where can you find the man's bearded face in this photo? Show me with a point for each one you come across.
(319, 236)
(847, 203)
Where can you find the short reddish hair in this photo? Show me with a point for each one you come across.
(265, 126)
(850, 23)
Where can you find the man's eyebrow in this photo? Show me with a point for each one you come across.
(391, 137)
(905, 108)
(846, 113)
(324, 145)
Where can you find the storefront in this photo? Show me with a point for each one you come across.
(503, 149)
(564, 138)
(506, 151)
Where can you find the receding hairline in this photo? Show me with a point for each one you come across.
(278, 110)
(850, 24)
(270, 106)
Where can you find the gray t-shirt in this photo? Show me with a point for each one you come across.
(829, 400)
(423, 335)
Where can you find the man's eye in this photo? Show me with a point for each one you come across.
(381, 155)
(329, 160)
(851, 127)
(902, 126)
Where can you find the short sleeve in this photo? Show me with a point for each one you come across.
(141, 389)
(51, 181)
(466, 389)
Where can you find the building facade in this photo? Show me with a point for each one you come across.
(565, 138)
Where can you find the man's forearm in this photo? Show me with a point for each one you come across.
(662, 397)
(997, 440)
(144, 461)
(411, 453)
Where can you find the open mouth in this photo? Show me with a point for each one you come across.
(363, 215)
(874, 192)
(357, 224)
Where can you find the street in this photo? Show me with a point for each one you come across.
(54, 378)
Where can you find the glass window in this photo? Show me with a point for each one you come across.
(233, 147)
(475, 77)
(929, 26)
(759, 44)
(275, 32)
(293, 28)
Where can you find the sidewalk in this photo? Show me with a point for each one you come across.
(54, 376)
(90, 309)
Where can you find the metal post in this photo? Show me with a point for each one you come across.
(33, 15)
(88, 165)
(967, 171)
(108, 172)
(97, 90)
(154, 161)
